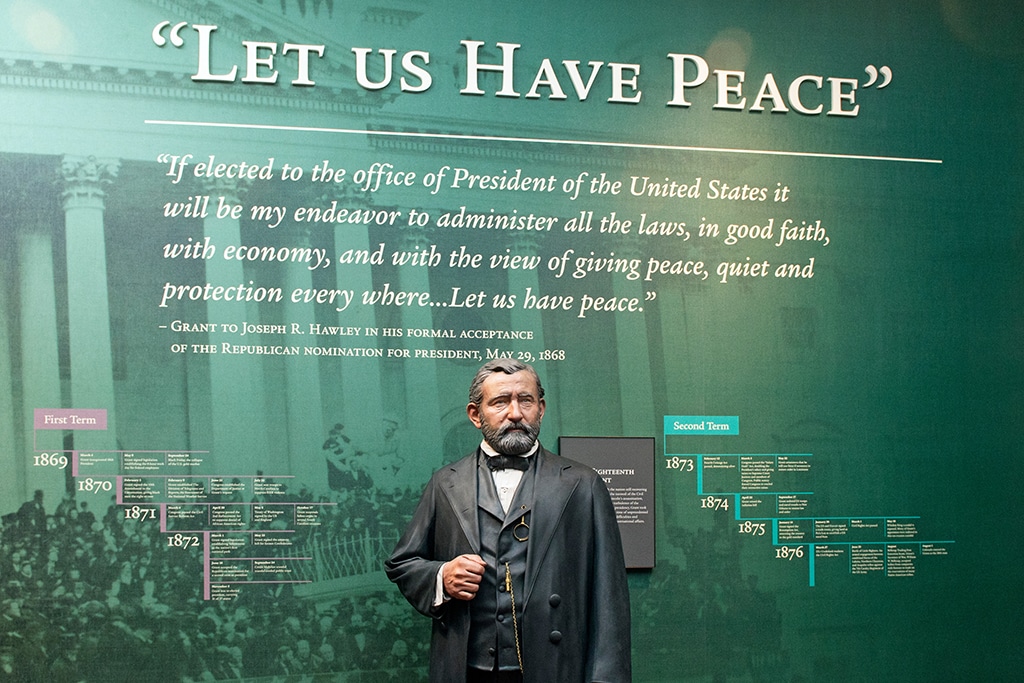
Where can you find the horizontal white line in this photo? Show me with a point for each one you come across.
(544, 141)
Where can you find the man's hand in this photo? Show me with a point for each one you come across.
(461, 576)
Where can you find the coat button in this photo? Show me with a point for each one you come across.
(555, 637)
(555, 600)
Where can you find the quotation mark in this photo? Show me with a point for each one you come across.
(175, 33)
(873, 74)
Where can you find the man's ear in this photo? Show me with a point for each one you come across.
(473, 412)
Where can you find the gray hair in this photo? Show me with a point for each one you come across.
(509, 366)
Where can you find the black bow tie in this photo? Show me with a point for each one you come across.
(507, 462)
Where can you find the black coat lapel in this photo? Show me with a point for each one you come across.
(460, 488)
(553, 488)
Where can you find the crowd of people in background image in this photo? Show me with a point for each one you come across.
(94, 595)
(88, 594)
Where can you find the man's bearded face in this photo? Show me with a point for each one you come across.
(509, 414)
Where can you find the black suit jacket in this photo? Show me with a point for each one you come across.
(575, 623)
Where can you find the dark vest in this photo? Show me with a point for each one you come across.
(491, 636)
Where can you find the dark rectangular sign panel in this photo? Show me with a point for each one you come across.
(627, 466)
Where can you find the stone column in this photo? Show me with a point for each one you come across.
(40, 359)
(12, 456)
(304, 402)
(92, 376)
(635, 390)
(240, 443)
(532, 319)
(359, 401)
(423, 400)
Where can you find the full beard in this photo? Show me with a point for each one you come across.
(511, 438)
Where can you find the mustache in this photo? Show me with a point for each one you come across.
(523, 427)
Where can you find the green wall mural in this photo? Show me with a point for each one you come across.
(251, 255)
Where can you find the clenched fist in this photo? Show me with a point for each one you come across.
(461, 576)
